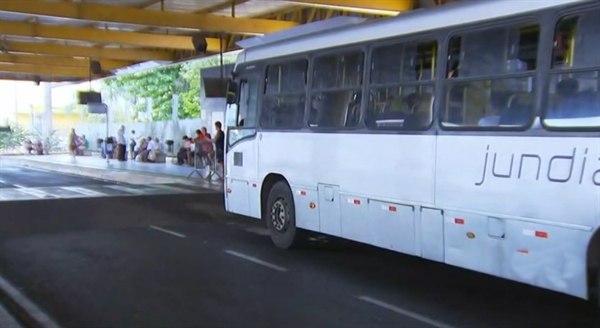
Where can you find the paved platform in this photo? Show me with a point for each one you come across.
(113, 170)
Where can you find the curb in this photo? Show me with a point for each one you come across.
(24, 311)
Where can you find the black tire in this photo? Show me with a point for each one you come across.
(280, 216)
(598, 288)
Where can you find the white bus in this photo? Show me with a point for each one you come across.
(467, 134)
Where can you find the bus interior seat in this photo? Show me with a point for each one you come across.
(353, 110)
(475, 100)
(518, 110)
(422, 113)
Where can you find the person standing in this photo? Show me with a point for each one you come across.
(121, 143)
(132, 144)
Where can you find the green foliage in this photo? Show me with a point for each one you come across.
(157, 84)
(13, 141)
(53, 140)
(160, 85)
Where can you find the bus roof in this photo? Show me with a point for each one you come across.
(307, 38)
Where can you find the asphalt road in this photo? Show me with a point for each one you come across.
(19, 183)
(179, 261)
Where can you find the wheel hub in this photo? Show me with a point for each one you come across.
(279, 217)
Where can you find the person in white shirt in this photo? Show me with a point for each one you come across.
(158, 145)
(155, 147)
(121, 143)
(132, 144)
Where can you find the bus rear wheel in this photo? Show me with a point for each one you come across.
(280, 216)
(598, 288)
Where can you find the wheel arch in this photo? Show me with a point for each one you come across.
(593, 266)
(268, 182)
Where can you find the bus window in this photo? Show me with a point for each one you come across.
(336, 90)
(574, 92)
(478, 91)
(285, 94)
(402, 86)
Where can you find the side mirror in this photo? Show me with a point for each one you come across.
(232, 91)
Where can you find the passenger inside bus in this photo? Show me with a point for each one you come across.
(477, 93)
(576, 95)
(401, 97)
(494, 110)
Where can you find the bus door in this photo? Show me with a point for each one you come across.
(241, 149)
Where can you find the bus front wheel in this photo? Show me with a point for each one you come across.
(280, 216)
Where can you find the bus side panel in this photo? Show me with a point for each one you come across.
(473, 242)
(383, 167)
(307, 212)
(546, 256)
(520, 208)
(241, 175)
(543, 178)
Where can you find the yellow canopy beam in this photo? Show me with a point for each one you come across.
(90, 52)
(137, 16)
(60, 61)
(44, 70)
(34, 77)
(95, 35)
(380, 7)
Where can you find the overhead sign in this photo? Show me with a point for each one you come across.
(97, 108)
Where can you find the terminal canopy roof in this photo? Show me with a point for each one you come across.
(75, 40)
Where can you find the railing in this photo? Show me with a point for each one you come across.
(205, 160)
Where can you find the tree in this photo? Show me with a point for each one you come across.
(190, 71)
(157, 84)
(161, 84)
(13, 140)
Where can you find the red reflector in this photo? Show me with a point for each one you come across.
(393, 209)
(254, 185)
(541, 234)
(524, 251)
(303, 193)
(357, 201)
(459, 221)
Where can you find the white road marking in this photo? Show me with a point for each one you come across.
(257, 261)
(35, 192)
(407, 313)
(32, 310)
(7, 320)
(2, 181)
(84, 191)
(126, 189)
(168, 231)
(171, 188)
(19, 186)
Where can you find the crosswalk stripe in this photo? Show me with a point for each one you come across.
(35, 192)
(57, 192)
(84, 191)
(126, 189)
(171, 188)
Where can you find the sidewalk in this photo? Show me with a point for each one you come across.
(129, 171)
